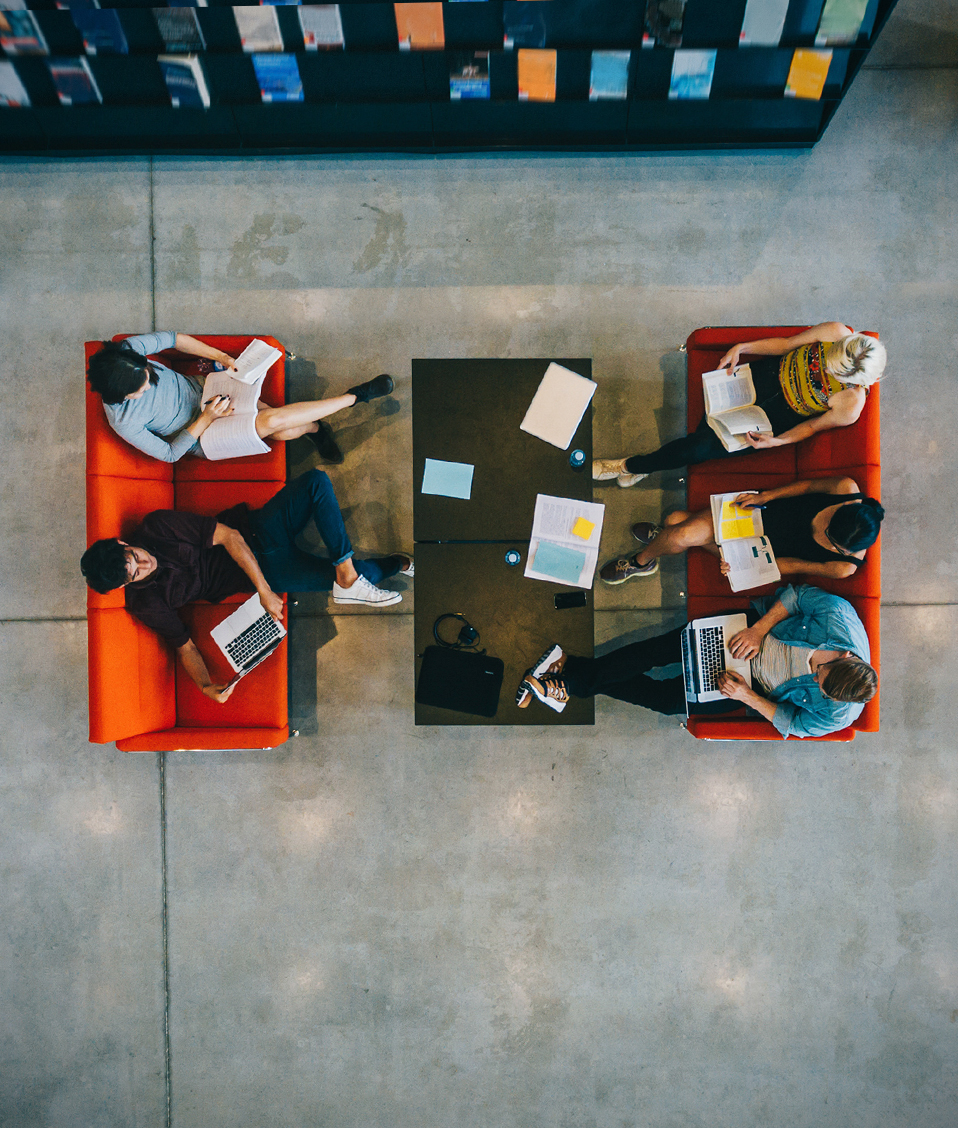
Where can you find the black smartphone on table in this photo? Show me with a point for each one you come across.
(567, 599)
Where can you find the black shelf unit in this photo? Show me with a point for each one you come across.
(374, 96)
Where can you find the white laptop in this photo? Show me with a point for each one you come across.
(705, 655)
(247, 637)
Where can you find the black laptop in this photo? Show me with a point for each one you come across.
(461, 680)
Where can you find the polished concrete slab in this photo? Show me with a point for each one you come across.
(385, 925)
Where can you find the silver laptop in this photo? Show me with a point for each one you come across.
(705, 655)
(247, 637)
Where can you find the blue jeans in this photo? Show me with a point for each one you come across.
(276, 526)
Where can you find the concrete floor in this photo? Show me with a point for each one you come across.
(382, 926)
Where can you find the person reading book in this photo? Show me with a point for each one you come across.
(175, 558)
(813, 381)
(162, 412)
(820, 527)
(809, 660)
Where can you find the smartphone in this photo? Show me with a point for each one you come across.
(567, 599)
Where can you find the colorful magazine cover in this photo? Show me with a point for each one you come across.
(469, 77)
(609, 76)
(101, 31)
(180, 30)
(692, 74)
(841, 21)
(322, 26)
(763, 23)
(523, 23)
(185, 80)
(537, 75)
(278, 78)
(258, 29)
(419, 27)
(20, 34)
(807, 74)
(663, 23)
(74, 81)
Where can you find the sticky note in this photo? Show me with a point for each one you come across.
(583, 528)
(448, 479)
(558, 562)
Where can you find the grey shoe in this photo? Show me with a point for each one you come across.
(618, 571)
(645, 532)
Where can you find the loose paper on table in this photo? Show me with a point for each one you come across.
(558, 406)
(556, 553)
(448, 479)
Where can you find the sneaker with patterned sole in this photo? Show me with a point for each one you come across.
(625, 568)
(550, 689)
(551, 661)
(364, 592)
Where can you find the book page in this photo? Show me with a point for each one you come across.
(752, 562)
(750, 418)
(725, 390)
(255, 360)
(564, 547)
(245, 397)
(232, 436)
(731, 521)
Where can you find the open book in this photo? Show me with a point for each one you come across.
(233, 436)
(740, 536)
(564, 548)
(255, 361)
(730, 406)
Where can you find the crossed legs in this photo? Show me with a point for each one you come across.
(681, 531)
(295, 419)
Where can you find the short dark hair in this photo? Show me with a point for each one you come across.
(854, 527)
(104, 565)
(850, 679)
(117, 371)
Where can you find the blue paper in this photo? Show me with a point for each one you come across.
(448, 479)
(561, 563)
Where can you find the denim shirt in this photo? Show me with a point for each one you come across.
(155, 422)
(826, 622)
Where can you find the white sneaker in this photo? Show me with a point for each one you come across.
(605, 469)
(362, 591)
(626, 480)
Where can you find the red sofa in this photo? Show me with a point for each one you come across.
(139, 694)
(847, 451)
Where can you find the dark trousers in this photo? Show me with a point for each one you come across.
(690, 450)
(623, 674)
(275, 527)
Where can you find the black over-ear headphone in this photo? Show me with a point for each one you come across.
(467, 638)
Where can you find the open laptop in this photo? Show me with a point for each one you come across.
(705, 655)
(247, 637)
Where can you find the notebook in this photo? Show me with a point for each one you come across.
(705, 655)
(247, 637)
(558, 406)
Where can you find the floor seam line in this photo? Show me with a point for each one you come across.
(152, 255)
(165, 935)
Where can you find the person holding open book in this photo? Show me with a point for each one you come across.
(813, 381)
(163, 413)
(819, 527)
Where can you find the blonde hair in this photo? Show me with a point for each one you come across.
(856, 359)
(850, 679)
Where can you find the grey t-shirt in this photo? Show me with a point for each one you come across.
(155, 422)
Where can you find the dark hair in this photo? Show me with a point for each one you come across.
(117, 371)
(850, 679)
(854, 527)
(104, 566)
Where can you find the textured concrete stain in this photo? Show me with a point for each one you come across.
(184, 268)
(105, 214)
(254, 249)
(387, 246)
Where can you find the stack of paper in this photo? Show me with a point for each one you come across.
(558, 406)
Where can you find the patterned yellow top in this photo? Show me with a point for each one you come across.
(805, 383)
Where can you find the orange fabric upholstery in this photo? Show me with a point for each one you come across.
(139, 695)
(843, 452)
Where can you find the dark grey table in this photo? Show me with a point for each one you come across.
(515, 617)
(470, 411)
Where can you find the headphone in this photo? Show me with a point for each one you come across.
(467, 638)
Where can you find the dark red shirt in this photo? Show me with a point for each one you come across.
(188, 567)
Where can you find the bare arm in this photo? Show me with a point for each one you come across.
(836, 486)
(846, 407)
(746, 643)
(779, 346)
(191, 345)
(831, 569)
(194, 665)
(236, 546)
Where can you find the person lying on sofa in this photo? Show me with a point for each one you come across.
(819, 527)
(175, 558)
(162, 414)
(820, 382)
(809, 655)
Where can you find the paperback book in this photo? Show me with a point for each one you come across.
(663, 23)
(744, 547)
(322, 26)
(278, 77)
(420, 27)
(180, 30)
(841, 22)
(74, 82)
(469, 77)
(730, 408)
(12, 90)
(807, 74)
(185, 81)
(609, 77)
(523, 23)
(258, 29)
(101, 31)
(763, 23)
(537, 75)
(20, 34)
(692, 74)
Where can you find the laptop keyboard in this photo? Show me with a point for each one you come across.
(253, 639)
(712, 654)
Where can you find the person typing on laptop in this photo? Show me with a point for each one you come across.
(809, 659)
(176, 558)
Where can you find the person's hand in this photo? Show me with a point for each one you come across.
(724, 567)
(217, 407)
(272, 604)
(731, 357)
(228, 362)
(733, 685)
(220, 693)
(761, 441)
(745, 644)
(749, 500)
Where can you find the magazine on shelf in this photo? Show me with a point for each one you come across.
(278, 77)
(763, 23)
(233, 436)
(537, 75)
(730, 407)
(807, 74)
(74, 81)
(524, 25)
(185, 80)
(841, 22)
(564, 547)
(258, 29)
(322, 26)
(419, 27)
(180, 30)
(663, 23)
(12, 91)
(609, 76)
(742, 542)
(692, 74)
(101, 30)
(469, 77)
(20, 34)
